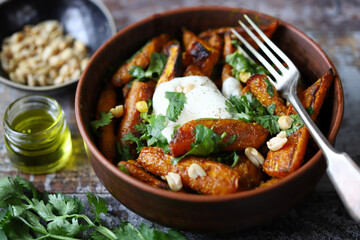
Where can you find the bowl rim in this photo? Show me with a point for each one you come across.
(9, 82)
(205, 198)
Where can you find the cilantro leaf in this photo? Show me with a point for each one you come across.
(65, 205)
(206, 142)
(156, 66)
(130, 137)
(98, 205)
(65, 228)
(124, 152)
(152, 133)
(176, 105)
(104, 120)
(240, 64)
(269, 87)
(296, 125)
(248, 108)
(310, 110)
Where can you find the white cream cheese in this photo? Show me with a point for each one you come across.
(231, 87)
(203, 101)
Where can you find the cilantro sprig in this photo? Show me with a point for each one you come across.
(156, 66)
(105, 119)
(26, 215)
(206, 142)
(249, 109)
(241, 64)
(176, 105)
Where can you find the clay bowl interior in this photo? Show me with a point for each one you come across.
(195, 212)
(88, 21)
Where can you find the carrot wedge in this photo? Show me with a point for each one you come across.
(173, 67)
(107, 140)
(137, 172)
(267, 95)
(200, 53)
(140, 91)
(250, 176)
(220, 179)
(228, 49)
(267, 29)
(247, 135)
(289, 158)
(142, 59)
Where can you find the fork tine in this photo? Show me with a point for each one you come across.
(266, 50)
(280, 53)
(258, 56)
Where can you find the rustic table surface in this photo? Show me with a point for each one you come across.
(333, 24)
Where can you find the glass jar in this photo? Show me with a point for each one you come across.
(37, 137)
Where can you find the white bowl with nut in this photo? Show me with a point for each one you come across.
(47, 45)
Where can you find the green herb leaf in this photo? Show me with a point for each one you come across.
(310, 110)
(206, 142)
(104, 120)
(98, 205)
(123, 169)
(269, 87)
(176, 105)
(296, 125)
(130, 137)
(156, 66)
(63, 227)
(65, 205)
(124, 152)
(241, 64)
(153, 135)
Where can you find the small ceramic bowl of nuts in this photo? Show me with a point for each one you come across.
(46, 45)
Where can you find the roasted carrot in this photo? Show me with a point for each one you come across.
(267, 29)
(220, 179)
(200, 53)
(289, 158)
(107, 140)
(228, 49)
(250, 176)
(267, 95)
(247, 135)
(142, 59)
(140, 91)
(173, 67)
(192, 70)
(137, 172)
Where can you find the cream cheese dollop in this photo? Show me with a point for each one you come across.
(204, 100)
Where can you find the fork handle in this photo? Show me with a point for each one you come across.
(342, 170)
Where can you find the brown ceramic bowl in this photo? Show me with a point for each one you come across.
(196, 212)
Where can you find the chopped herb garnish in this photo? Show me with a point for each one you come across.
(241, 64)
(130, 137)
(310, 110)
(176, 105)
(206, 142)
(296, 125)
(123, 152)
(269, 87)
(105, 119)
(156, 66)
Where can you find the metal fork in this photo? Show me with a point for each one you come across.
(342, 170)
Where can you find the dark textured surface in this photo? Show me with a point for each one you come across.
(333, 24)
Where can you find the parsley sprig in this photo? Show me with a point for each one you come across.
(26, 215)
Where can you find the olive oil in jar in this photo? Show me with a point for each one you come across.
(37, 137)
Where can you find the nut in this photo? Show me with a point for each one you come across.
(37, 55)
(178, 89)
(174, 181)
(277, 142)
(188, 88)
(244, 76)
(285, 122)
(118, 111)
(142, 106)
(254, 156)
(195, 171)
